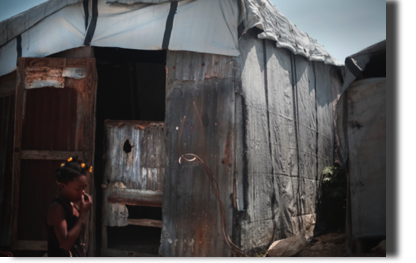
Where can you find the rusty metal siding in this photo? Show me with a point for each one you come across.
(36, 176)
(191, 217)
(6, 159)
(144, 166)
(55, 122)
(50, 120)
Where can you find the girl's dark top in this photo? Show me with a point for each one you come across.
(54, 248)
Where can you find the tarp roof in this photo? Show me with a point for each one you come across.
(192, 25)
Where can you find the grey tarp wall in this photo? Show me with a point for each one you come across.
(366, 132)
(288, 119)
(361, 130)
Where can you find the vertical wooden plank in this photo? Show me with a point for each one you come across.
(17, 147)
(88, 147)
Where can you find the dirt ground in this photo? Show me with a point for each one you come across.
(332, 245)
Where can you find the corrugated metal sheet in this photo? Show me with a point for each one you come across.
(51, 120)
(144, 166)
(37, 189)
(191, 217)
(135, 158)
(6, 160)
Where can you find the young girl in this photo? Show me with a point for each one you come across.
(65, 221)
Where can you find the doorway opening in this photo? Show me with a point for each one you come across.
(131, 86)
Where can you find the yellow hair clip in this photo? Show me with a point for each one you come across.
(62, 164)
(70, 159)
(82, 165)
(91, 169)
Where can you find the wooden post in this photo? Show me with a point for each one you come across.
(17, 148)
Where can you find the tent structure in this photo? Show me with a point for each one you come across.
(361, 131)
(232, 82)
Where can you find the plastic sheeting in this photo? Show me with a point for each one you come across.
(130, 2)
(8, 57)
(213, 28)
(197, 25)
(18, 24)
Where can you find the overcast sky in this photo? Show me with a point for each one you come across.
(343, 27)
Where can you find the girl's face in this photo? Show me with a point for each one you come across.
(74, 190)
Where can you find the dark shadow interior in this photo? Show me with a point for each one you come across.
(131, 86)
(141, 239)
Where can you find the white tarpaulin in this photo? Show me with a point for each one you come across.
(205, 26)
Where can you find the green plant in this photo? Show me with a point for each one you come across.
(334, 182)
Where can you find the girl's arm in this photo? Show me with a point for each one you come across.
(56, 217)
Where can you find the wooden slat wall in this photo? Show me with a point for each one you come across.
(6, 158)
(191, 218)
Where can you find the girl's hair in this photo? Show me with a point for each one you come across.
(71, 170)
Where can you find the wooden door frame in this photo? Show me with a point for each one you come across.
(88, 143)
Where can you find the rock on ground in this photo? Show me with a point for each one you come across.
(333, 238)
(380, 248)
(288, 247)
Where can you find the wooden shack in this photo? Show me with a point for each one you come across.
(132, 86)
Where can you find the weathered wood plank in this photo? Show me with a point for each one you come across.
(108, 252)
(145, 222)
(32, 245)
(49, 155)
(45, 62)
(136, 197)
(89, 144)
(76, 63)
(17, 147)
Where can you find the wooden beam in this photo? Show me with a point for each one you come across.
(50, 155)
(108, 252)
(45, 62)
(17, 141)
(88, 147)
(76, 63)
(32, 245)
(136, 197)
(145, 222)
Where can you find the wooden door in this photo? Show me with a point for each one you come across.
(54, 119)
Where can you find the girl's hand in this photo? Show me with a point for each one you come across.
(86, 203)
(6, 254)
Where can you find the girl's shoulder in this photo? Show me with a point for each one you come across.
(56, 213)
(58, 210)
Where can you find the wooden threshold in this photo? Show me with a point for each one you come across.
(145, 222)
(108, 252)
(32, 245)
(136, 197)
(50, 155)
